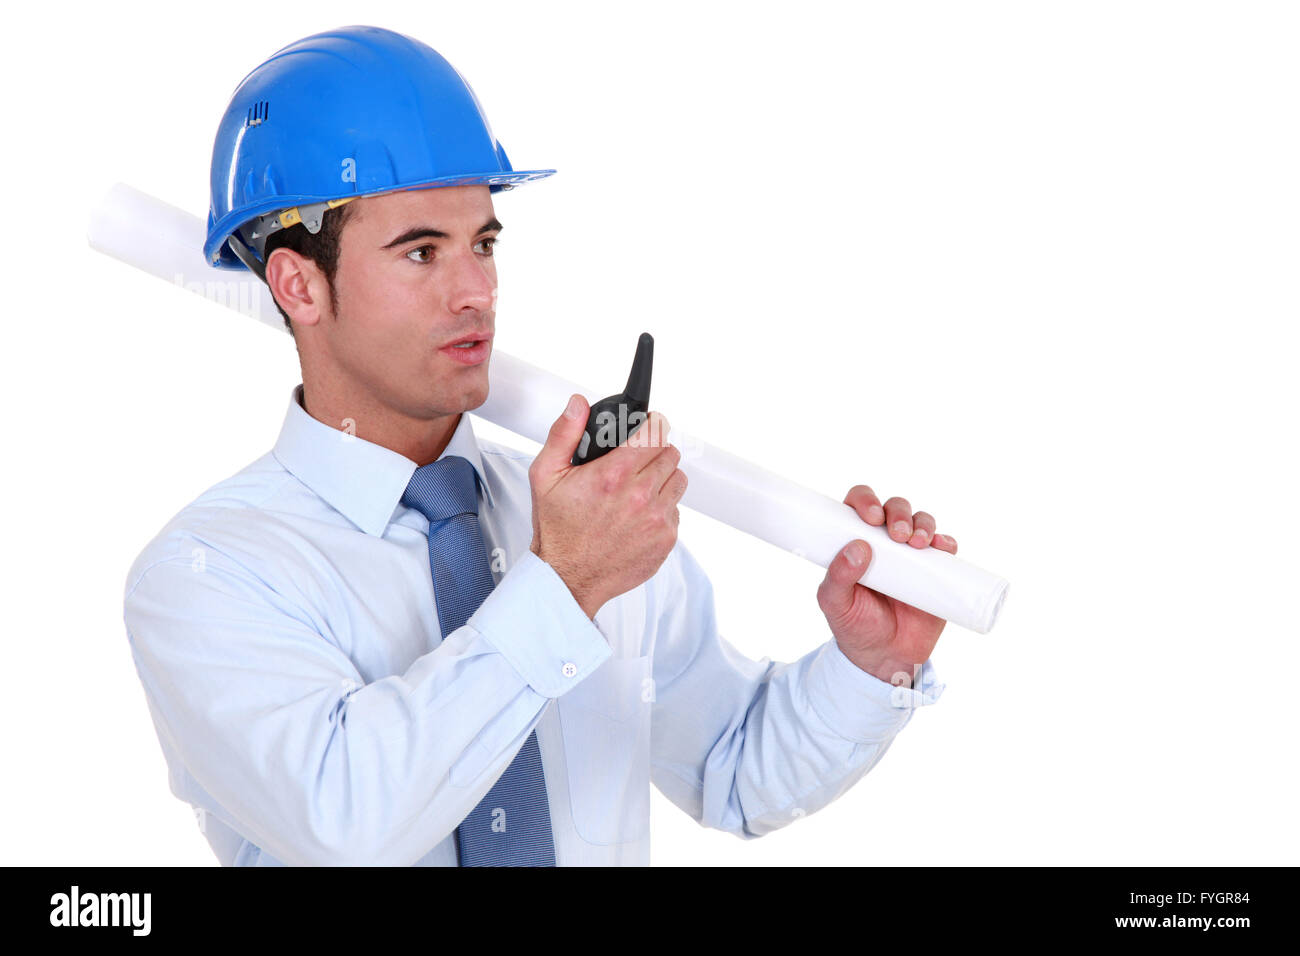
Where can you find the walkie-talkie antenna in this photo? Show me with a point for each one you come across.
(609, 417)
(638, 380)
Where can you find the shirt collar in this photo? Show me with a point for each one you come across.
(362, 481)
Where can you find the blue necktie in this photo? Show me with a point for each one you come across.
(511, 826)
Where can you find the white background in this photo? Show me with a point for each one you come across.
(1031, 265)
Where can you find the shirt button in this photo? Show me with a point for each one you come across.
(569, 669)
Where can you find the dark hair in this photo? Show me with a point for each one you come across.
(321, 247)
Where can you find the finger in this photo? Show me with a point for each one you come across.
(639, 449)
(898, 517)
(674, 486)
(864, 501)
(945, 542)
(647, 441)
(562, 440)
(660, 469)
(922, 529)
(650, 432)
(835, 595)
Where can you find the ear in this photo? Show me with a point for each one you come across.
(298, 286)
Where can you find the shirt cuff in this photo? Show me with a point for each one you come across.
(532, 618)
(861, 707)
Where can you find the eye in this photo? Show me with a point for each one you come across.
(427, 249)
(490, 242)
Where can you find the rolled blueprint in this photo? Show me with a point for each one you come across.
(167, 242)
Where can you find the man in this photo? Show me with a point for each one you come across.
(387, 642)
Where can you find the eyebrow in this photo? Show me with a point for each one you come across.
(428, 232)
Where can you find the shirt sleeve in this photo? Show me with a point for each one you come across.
(750, 746)
(309, 761)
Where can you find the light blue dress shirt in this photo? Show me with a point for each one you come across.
(284, 628)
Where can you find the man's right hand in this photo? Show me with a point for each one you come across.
(605, 526)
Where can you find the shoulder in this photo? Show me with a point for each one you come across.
(237, 514)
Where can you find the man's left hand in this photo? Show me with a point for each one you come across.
(879, 634)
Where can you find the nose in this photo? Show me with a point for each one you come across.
(473, 286)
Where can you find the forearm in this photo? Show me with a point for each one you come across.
(747, 746)
(794, 738)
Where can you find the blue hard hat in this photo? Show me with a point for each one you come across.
(338, 115)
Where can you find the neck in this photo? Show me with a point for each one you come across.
(420, 440)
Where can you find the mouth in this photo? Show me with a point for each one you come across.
(472, 349)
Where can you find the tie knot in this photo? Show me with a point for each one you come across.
(443, 489)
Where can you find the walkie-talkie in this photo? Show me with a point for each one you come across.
(608, 422)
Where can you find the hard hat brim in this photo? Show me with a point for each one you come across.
(218, 254)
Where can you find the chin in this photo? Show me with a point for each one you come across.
(476, 397)
(474, 393)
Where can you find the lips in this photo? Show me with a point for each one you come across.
(469, 355)
(472, 337)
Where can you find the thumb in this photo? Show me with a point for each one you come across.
(836, 592)
(563, 438)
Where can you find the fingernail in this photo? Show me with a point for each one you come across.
(575, 408)
(921, 533)
(856, 555)
(876, 512)
(901, 527)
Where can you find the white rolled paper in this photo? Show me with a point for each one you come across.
(167, 242)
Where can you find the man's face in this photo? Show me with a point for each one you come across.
(415, 273)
